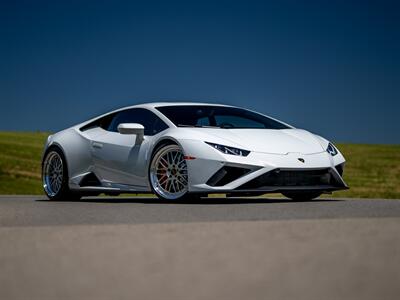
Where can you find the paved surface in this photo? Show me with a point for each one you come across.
(37, 211)
(140, 248)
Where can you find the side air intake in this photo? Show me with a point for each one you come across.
(340, 168)
(90, 180)
(226, 175)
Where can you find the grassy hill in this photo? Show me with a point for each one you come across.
(372, 171)
(20, 155)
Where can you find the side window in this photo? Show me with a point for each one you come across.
(103, 122)
(106, 121)
(152, 124)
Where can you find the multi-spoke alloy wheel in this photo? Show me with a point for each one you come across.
(53, 172)
(168, 173)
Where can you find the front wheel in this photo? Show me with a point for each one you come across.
(168, 173)
(301, 196)
(55, 176)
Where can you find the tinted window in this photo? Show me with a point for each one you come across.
(103, 122)
(152, 124)
(218, 116)
(237, 121)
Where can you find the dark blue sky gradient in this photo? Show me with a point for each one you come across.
(332, 67)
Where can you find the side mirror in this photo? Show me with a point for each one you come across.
(132, 128)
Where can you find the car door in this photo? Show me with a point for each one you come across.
(122, 158)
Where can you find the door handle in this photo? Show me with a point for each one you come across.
(97, 145)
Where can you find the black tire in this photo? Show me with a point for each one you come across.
(301, 196)
(63, 192)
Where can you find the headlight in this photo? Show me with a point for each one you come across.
(229, 150)
(331, 150)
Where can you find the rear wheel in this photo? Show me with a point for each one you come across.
(55, 176)
(301, 196)
(168, 173)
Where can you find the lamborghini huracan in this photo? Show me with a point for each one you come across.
(188, 150)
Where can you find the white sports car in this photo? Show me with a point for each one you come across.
(179, 150)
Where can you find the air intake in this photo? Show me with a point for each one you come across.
(292, 178)
(90, 180)
(226, 175)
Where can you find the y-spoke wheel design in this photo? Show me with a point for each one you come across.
(53, 172)
(168, 173)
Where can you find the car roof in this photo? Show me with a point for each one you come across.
(175, 103)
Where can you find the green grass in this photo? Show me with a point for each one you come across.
(20, 155)
(372, 171)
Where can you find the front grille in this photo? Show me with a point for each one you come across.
(291, 178)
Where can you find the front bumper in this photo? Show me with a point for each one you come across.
(257, 172)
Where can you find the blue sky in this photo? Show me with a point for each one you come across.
(332, 67)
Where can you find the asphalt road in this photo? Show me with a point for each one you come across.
(141, 248)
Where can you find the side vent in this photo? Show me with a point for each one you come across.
(340, 168)
(225, 175)
(90, 180)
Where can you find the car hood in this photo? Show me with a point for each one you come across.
(272, 141)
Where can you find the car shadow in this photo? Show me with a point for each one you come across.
(195, 201)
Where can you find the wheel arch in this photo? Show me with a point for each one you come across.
(161, 143)
(54, 145)
(75, 149)
(57, 146)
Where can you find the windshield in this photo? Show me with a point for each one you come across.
(218, 116)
